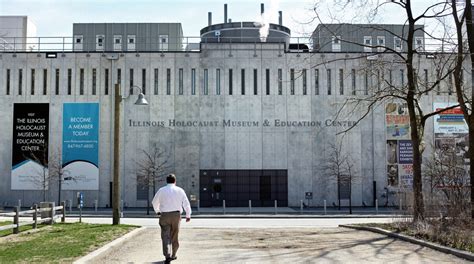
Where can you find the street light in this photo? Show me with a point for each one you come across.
(116, 185)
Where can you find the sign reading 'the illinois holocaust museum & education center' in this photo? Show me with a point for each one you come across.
(81, 146)
(30, 146)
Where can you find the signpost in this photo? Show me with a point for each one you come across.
(80, 204)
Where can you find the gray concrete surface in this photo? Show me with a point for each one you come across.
(233, 223)
(275, 245)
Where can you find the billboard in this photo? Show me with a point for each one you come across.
(80, 159)
(30, 146)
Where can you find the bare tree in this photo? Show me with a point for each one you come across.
(151, 170)
(52, 170)
(465, 96)
(340, 167)
(413, 91)
(41, 157)
(447, 174)
(57, 173)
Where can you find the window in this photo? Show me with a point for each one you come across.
(353, 77)
(419, 43)
(155, 81)
(20, 81)
(292, 81)
(230, 81)
(218, 81)
(426, 81)
(8, 82)
(193, 81)
(163, 42)
(366, 84)
(267, 81)
(255, 82)
(81, 81)
(99, 42)
(390, 78)
(316, 81)
(32, 81)
(402, 77)
(144, 81)
(438, 88)
(78, 40)
(206, 82)
(378, 81)
(305, 89)
(131, 81)
(119, 76)
(45, 81)
(117, 42)
(69, 81)
(168, 81)
(341, 81)
(242, 81)
(329, 80)
(380, 43)
(336, 43)
(94, 81)
(397, 43)
(131, 42)
(450, 84)
(367, 44)
(180, 81)
(56, 82)
(106, 82)
(280, 81)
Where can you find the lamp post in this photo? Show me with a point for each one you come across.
(116, 182)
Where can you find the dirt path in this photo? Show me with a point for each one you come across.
(276, 245)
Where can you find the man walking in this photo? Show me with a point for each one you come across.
(170, 201)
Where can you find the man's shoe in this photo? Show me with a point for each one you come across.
(173, 258)
(168, 261)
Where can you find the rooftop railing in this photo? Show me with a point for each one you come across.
(195, 44)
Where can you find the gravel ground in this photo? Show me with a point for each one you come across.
(275, 245)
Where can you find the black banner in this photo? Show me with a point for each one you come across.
(30, 143)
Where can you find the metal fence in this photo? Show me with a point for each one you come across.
(188, 44)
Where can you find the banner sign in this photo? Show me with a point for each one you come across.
(449, 121)
(399, 146)
(81, 146)
(451, 135)
(30, 146)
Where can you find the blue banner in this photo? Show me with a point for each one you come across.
(81, 146)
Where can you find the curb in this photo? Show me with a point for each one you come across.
(89, 257)
(254, 216)
(459, 253)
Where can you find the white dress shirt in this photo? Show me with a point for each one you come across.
(171, 198)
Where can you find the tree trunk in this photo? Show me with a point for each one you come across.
(470, 121)
(471, 161)
(416, 124)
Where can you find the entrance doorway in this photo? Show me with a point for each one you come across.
(237, 187)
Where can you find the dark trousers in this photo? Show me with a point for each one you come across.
(169, 223)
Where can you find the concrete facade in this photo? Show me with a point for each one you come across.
(249, 133)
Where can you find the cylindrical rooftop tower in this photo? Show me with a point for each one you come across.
(246, 32)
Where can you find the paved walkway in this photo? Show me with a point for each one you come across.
(274, 245)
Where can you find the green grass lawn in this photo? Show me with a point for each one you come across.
(58, 243)
(10, 231)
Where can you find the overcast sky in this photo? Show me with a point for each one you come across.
(55, 17)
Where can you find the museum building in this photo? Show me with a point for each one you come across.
(238, 115)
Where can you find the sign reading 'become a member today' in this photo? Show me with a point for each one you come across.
(81, 146)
